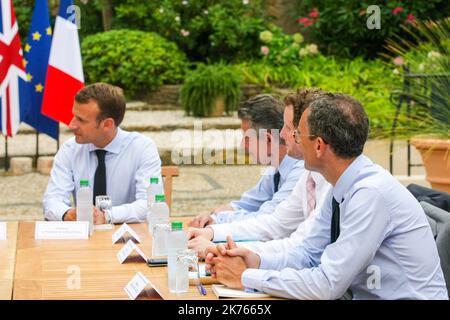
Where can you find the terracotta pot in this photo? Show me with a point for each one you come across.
(219, 107)
(436, 158)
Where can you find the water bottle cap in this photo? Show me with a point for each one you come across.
(160, 198)
(177, 225)
(84, 183)
(154, 180)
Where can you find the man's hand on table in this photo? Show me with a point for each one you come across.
(98, 216)
(227, 263)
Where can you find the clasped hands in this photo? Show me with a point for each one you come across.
(227, 262)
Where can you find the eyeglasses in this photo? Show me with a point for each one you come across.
(297, 136)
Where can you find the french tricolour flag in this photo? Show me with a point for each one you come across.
(65, 70)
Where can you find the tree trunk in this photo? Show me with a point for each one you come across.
(107, 14)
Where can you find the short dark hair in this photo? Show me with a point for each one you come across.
(110, 100)
(263, 111)
(341, 121)
(300, 100)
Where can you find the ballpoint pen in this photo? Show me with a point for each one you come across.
(201, 289)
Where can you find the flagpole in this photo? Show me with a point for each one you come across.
(6, 154)
(57, 139)
(37, 149)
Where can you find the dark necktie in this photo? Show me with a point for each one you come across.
(100, 175)
(335, 221)
(335, 230)
(276, 180)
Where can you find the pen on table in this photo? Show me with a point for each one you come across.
(201, 289)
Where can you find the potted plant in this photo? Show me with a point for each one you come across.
(428, 90)
(211, 90)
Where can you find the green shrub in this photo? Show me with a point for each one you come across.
(133, 60)
(340, 26)
(207, 83)
(371, 82)
(280, 48)
(207, 30)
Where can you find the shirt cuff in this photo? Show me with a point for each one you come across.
(119, 214)
(254, 278)
(57, 212)
(267, 262)
(220, 232)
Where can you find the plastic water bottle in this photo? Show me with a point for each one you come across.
(159, 212)
(176, 241)
(153, 189)
(84, 205)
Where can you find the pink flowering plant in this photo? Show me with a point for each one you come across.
(340, 26)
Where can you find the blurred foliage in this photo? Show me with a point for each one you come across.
(207, 30)
(371, 82)
(134, 60)
(207, 83)
(340, 26)
(427, 57)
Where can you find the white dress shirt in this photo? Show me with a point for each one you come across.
(131, 160)
(289, 216)
(262, 199)
(385, 249)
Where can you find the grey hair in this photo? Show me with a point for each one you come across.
(340, 120)
(263, 111)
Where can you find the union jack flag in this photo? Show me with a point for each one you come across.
(13, 89)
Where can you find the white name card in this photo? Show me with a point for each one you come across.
(120, 233)
(3, 230)
(127, 249)
(136, 286)
(61, 230)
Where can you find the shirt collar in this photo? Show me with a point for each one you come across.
(348, 178)
(286, 165)
(114, 146)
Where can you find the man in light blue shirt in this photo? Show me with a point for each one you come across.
(116, 163)
(261, 121)
(371, 237)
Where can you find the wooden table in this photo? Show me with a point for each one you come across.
(49, 269)
(7, 261)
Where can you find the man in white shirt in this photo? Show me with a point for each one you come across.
(261, 121)
(116, 163)
(291, 220)
(371, 236)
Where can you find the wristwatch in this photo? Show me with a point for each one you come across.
(108, 216)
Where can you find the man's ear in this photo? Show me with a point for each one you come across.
(320, 147)
(108, 123)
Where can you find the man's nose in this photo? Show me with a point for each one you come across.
(72, 125)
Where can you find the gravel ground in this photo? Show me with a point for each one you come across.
(197, 189)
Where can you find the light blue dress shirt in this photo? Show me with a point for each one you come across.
(385, 249)
(131, 160)
(262, 199)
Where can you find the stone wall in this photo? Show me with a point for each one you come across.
(167, 97)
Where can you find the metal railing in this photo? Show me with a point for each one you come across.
(404, 98)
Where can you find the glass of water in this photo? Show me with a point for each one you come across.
(187, 260)
(104, 204)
